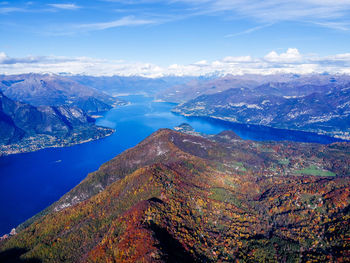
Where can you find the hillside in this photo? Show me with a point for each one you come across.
(319, 112)
(260, 85)
(55, 90)
(176, 197)
(26, 128)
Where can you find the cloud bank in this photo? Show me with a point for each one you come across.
(290, 61)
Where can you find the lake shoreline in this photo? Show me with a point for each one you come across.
(34, 180)
(232, 125)
(31, 144)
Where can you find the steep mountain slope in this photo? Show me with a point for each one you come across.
(26, 128)
(54, 90)
(197, 87)
(93, 105)
(326, 113)
(182, 198)
(263, 85)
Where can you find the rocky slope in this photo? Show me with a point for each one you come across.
(26, 128)
(54, 90)
(262, 85)
(320, 112)
(181, 198)
(196, 87)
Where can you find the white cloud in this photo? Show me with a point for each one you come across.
(291, 55)
(342, 26)
(238, 59)
(340, 57)
(202, 63)
(248, 31)
(26, 7)
(73, 29)
(124, 21)
(65, 6)
(321, 12)
(6, 10)
(291, 61)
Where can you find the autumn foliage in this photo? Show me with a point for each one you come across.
(183, 198)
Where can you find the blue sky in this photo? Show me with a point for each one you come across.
(177, 34)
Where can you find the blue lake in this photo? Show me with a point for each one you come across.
(32, 181)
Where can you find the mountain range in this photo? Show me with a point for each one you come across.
(120, 85)
(26, 128)
(176, 197)
(312, 105)
(47, 110)
(278, 84)
(55, 90)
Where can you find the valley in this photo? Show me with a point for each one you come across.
(39, 111)
(152, 131)
(132, 124)
(258, 199)
(311, 103)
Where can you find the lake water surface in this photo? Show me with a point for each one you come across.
(30, 182)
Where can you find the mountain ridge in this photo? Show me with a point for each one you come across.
(275, 84)
(324, 113)
(55, 90)
(26, 128)
(219, 199)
